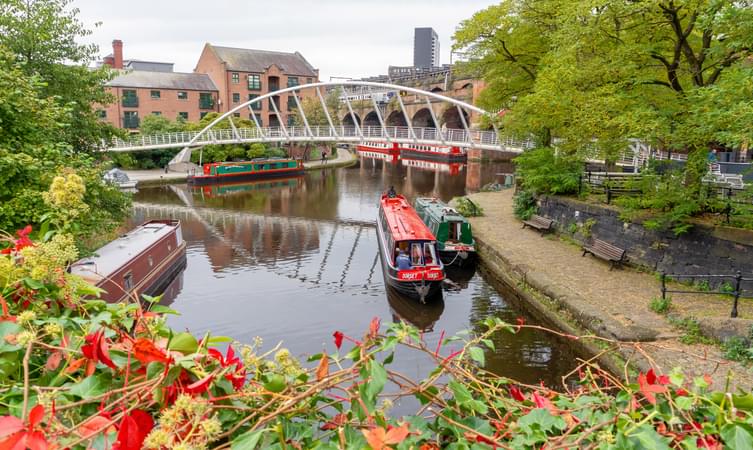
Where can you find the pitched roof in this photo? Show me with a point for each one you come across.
(163, 80)
(248, 60)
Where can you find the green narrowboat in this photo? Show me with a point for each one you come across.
(247, 170)
(453, 232)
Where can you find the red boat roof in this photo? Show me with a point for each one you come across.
(404, 223)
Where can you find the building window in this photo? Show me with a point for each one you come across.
(291, 120)
(183, 115)
(254, 82)
(156, 113)
(130, 99)
(236, 78)
(182, 95)
(102, 114)
(202, 114)
(309, 80)
(293, 81)
(155, 94)
(130, 119)
(205, 100)
(236, 114)
(256, 106)
(291, 103)
(236, 97)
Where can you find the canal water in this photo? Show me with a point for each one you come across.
(295, 260)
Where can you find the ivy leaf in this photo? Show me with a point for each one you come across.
(8, 329)
(737, 436)
(477, 354)
(92, 386)
(248, 440)
(184, 343)
(378, 377)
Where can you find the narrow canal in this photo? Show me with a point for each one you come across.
(294, 260)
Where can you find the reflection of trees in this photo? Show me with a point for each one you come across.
(523, 356)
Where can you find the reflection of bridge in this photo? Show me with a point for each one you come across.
(391, 124)
(283, 245)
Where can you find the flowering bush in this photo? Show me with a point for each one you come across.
(79, 373)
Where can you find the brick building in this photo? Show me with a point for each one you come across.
(242, 74)
(147, 87)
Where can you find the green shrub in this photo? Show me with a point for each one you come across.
(737, 349)
(660, 305)
(542, 172)
(467, 207)
(524, 204)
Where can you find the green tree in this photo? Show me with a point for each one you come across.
(44, 36)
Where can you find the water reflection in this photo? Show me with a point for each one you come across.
(297, 259)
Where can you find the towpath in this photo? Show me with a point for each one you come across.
(612, 304)
(158, 176)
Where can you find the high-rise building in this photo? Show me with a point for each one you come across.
(425, 48)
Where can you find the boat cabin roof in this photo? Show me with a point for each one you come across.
(111, 257)
(254, 160)
(404, 224)
(440, 210)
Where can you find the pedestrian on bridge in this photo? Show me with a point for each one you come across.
(324, 157)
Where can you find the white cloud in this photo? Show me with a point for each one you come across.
(350, 38)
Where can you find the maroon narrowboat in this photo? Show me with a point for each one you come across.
(143, 261)
(407, 248)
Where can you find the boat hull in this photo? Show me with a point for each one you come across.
(457, 258)
(247, 176)
(434, 156)
(423, 290)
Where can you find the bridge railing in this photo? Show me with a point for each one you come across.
(318, 133)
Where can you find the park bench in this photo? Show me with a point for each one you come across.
(540, 223)
(605, 251)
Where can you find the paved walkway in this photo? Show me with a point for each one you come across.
(158, 176)
(614, 303)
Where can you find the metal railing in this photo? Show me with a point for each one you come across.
(724, 289)
(342, 133)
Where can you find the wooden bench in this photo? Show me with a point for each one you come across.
(605, 251)
(540, 223)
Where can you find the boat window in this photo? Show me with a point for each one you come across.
(430, 257)
(128, 281)
(416, 254)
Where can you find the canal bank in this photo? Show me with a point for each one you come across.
(581, 296)
(158, 177)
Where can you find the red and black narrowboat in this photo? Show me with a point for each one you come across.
(408, 250)
(255, 169)
(143, 261)
(387, 151)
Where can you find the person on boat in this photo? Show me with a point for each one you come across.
(392, 193)
(403, 261)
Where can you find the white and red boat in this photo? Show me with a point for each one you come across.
(419, 273)
(443, 153)
(143, 261)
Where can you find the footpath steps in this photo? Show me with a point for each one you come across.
(612, 304)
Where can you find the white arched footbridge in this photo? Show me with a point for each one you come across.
(332, 132)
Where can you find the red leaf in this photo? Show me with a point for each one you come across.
(93, 426)
(53, 361)
(397, 435)
(648, 389)
(200, 386)
(36, 441)
(516, 394)
(36, 415)
(11, 442)
(133, 430)
(322, 371)
(25, 232)
(10, 425)
(338, 335)
(374, 327)
(145, 351)
(542, 402)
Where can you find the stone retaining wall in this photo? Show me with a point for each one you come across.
(702, 250)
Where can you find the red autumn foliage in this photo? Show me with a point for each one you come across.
(237, 376)
(145, 351)
(22, 242)
(379, 438)
(516, 394)
(374, 327)
(133, 429)
(338, 335)
(95, 350)
(650, 385)
(15, 435)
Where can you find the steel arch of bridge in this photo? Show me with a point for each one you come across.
(466, 138)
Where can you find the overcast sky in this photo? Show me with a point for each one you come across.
(349, 38)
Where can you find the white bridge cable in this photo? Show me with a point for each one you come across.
(303, 115)
(326, 113)
(381, 121)
(436, 122)
(353, 118)
(279, 116)
(256, 121)
(405, 116)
